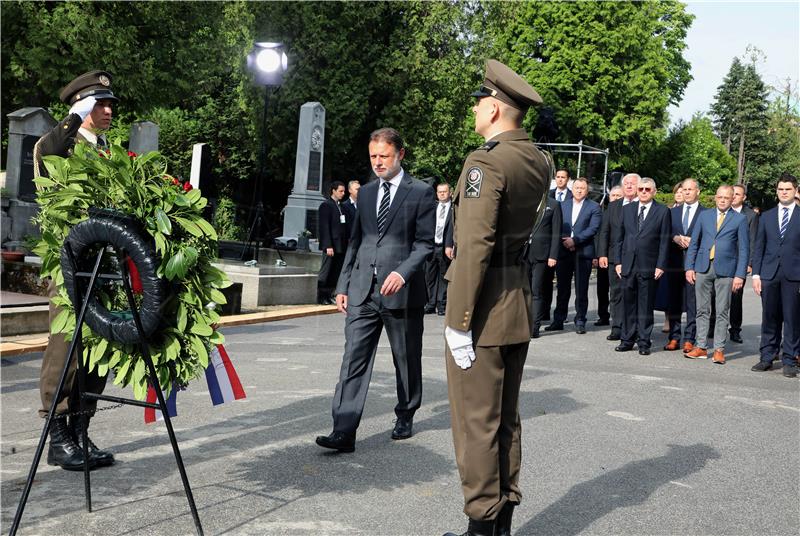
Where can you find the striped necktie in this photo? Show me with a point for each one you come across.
(383, 210)
(784, 221)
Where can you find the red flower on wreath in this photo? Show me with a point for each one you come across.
(132, 154)
(187, 186)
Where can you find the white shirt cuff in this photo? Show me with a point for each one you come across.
(401, 277)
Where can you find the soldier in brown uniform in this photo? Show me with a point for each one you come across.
(91, 101)
(487, 321)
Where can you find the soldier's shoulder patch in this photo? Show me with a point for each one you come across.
(472, 188)
(489, 145)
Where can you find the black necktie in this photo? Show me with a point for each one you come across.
(384, 208)
(641, 217)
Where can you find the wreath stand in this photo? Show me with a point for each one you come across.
(83, 299)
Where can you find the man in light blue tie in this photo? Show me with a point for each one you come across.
(561, 192)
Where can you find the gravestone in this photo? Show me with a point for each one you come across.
(200, 175)
(301, 208)
(25, 127)
(144, 137)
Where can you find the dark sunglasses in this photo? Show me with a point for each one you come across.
(645, 189)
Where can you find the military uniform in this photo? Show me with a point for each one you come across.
(501, 185)
(60, 141)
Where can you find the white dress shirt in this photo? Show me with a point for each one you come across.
(394, 183)
(576, 211)
(780, 212)
(692, 211)
(646, 210)
(441, 221)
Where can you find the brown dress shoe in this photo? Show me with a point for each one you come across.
(687, 347)
(697, 353)
(719, 357)
(672, 345)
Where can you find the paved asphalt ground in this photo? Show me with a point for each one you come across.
(614, 444)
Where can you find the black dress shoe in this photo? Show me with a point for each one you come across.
(790, 371)
(440, 313)
(736, 337)
(64, 451)
(97, 457)
(624, 347)
(476, 528)
(644, 351)
(402, 428)
(603, 322)
(337, 441)
(580, 329)
(535, 334)
(554, 327)
(429, 309)
(761, 366)
(613, 337)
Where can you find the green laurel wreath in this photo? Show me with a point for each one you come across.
(171, 213)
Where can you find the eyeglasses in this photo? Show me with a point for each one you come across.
(645, 189)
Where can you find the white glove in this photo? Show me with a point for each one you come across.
(460, 343)
(83, 107)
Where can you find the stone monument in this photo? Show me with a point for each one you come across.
(301, 208)
(144, 137)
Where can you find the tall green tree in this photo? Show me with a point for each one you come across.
(741, 121)
(609, 70)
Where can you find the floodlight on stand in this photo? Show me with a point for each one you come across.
(268, 62)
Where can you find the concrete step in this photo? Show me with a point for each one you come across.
(24, 320)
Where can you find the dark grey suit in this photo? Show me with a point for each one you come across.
(545, 244)
(607, 241)
(736, 297)
(406, 243)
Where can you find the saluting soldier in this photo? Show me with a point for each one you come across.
(92, 103)
(487, 321)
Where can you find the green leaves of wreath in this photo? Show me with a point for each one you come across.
(171, 212)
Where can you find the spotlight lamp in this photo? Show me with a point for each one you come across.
(268, 63)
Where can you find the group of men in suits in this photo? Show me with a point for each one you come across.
(704, 254)
(335, 220)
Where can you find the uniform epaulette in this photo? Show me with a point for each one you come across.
(489, 145)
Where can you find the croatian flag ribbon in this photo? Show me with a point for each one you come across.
(223, 382)
(152, 415)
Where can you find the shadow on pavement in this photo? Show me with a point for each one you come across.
(629, 485)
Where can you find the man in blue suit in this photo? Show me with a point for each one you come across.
(642, 252)
(581, 218)
(681, 293)
(716, 264)
(382, 284)
(561, 192)
(776, 278)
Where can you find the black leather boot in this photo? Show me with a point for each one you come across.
(97, 457)
(477, 528)
(502, 525)
(64, 451)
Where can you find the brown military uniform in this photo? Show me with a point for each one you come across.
(498, 194)
(60, 141)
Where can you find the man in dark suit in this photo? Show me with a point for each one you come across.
(543, 258)
(561, 192)
(91, 104)
(581, 219)
(776, 278)
(681, 293)
(332, 241)
(642, 250)
(383, 284)
(716, 264)
(739, 197)
(350, 206)
(439, 262)
(607, 244)
(603, 286)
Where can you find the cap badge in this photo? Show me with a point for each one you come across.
(474, 180)
(104, 80)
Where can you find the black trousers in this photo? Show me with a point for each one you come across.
(780, 311)
(615, 300)
(435, 268)
(682, 297)
(362, 331)
(329, 274)
(639, 298)
(735, 314)
(602, 293)
(568, 266)
(547, 291)
(541, 278)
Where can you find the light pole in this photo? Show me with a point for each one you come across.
(268, 63)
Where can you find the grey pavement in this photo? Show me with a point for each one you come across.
(613, 444)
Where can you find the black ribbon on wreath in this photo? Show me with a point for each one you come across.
(104, 228)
